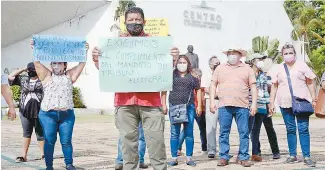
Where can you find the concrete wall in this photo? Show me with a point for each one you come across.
(241, 21)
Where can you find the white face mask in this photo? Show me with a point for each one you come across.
(260, 65)
(57, 69)
(232, 59)
(182, 67)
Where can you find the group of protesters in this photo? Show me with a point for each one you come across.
(235, 89)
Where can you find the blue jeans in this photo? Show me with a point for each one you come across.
(255, 133)
(188, 129)
(53, 122)
(141, 147)
(225, 120)
(202, 127)
(303, 129)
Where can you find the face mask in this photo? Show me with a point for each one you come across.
(32, 74)
(182, 67)
(289, 58)
(57, 69)
(134, 29)
(260, 64)
(232, 59)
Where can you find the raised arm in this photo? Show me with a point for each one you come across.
(75, 72)
(41, 70)
(11, 76)
(95, 54)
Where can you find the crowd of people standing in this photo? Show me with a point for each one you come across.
(243, 91)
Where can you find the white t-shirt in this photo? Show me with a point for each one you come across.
(206, 81)
(31, 95)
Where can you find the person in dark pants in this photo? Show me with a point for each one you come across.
(271, 135)
(201, 122)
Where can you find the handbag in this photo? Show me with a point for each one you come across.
(300, 107)
(320, 106)
(178, 113)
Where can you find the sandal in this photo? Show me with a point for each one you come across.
(20, 159)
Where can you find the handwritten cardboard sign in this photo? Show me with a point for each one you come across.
(135, 64)
(153, 26)
(59, 48)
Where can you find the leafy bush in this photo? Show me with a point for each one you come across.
(77, 97)
(15, 93)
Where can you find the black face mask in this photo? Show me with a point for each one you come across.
(134, 29)
(32, 74)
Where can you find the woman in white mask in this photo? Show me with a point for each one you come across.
(181, 105)
(303, 87)
(57, 113)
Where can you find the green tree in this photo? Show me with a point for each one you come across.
(123, 6)
(308, 18)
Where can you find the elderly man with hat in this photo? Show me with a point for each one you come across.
(234, 80)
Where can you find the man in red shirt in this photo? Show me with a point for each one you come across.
(147, 107)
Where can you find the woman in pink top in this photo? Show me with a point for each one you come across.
(303, 87)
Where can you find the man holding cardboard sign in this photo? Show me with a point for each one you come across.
(136, 106)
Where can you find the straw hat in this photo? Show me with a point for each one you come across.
(241, 51)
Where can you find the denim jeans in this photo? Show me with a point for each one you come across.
(202, 127)
(225, 120)
(303, 129)
(53, 122)
(141, 147)
(188, 129)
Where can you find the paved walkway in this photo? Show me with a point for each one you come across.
(95, 140)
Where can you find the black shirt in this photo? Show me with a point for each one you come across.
(183, 87)
(26, 87)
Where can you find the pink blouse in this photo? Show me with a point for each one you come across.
(299, 73)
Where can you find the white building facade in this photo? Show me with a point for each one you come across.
(210, 26)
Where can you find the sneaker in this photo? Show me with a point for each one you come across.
(118, 166)
(191, 163)
(276, 156)
(256, 158)
(70, 167)
(309, 162)
(211, 156)
(143, 166)
(173, 163)
(291, 159)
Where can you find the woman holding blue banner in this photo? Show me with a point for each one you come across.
(293, 85)
(57, 113)
(182, 108)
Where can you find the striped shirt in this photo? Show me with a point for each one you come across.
(262, 81)
(233, 84)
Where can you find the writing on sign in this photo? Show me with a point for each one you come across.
(153, 26)
(59, 48)
(135, 64)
